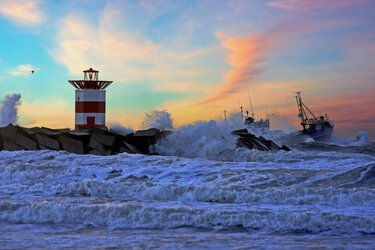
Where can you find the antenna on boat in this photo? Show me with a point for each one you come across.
(251, 105)
(225, 114)
(302, 108)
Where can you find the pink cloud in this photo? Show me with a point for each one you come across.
(306, 5)
(246, 55)
(21, 11)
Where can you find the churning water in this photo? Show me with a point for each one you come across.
(201, 193)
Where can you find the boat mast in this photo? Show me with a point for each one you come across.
(251, 105)
(302, 111)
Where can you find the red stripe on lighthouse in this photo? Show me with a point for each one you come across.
(90, 107)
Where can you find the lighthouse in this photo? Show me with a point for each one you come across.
(90, 100)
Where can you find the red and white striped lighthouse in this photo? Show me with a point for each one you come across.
(90, 100)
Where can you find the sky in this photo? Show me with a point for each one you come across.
(194, 59)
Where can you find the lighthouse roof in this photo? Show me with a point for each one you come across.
(90, 70)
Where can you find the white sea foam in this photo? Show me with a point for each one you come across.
(274, 192)
(136, 214)
(207, 140)
(360, 140)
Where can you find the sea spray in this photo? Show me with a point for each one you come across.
(9, 108)
(161, 120)
(279, 122)
(360, 140)
(207, 140)
(235, 121)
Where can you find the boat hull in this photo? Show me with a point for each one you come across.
(320, 135)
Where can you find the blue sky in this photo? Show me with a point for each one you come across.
(191, 58)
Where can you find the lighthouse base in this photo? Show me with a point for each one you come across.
(90, 108)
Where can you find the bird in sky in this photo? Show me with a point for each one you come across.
(32, 72)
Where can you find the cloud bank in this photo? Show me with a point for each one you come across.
(24, 12)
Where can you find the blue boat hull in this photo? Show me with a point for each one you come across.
(319, 135)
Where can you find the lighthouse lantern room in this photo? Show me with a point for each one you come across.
(90, 100)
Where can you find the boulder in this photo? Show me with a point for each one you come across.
(105, 140)
(9, 133)
(41, 147)
(94, 152)
(81, 136)
(10, 146)
(62, 130)
(131, 148)
(123, 149)
(143, 139)
(71, 145)
(96, 145)
(47, 142)
(247, 140)
(152, 132)
(25, 142)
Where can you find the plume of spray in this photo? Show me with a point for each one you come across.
(208, 140)
(235, 121)
(360, 140)
(161, 120)
(278, 122)
(9, 108)
(212, 140)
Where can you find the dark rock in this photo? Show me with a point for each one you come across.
(105, 140)
(62, 130)
(49, 132)
(123, 149)
(240, 132)
(47, 142)
(94, 152)
(152, 132)
(133, 149)
(71, 145)
(79, 135)
(143, 139)
(41, 147)
(96, 145)
(10, 146)
(250, 141)
(8, 133)
(25, 142)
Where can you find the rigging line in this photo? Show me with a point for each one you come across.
(251, 105)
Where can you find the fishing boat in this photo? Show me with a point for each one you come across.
(318, 128)
(252, 124)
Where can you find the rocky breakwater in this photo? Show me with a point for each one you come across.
(103, 142)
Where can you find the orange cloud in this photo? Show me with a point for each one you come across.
(246, 55)
(21, 11)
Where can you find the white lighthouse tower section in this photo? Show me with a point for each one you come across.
(90, 95)
(90, 104)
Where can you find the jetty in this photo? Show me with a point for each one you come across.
(99, 141)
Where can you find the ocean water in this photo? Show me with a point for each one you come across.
(202, 193)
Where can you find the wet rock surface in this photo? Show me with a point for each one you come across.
(104, 142)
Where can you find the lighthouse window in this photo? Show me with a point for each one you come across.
(78, 98)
